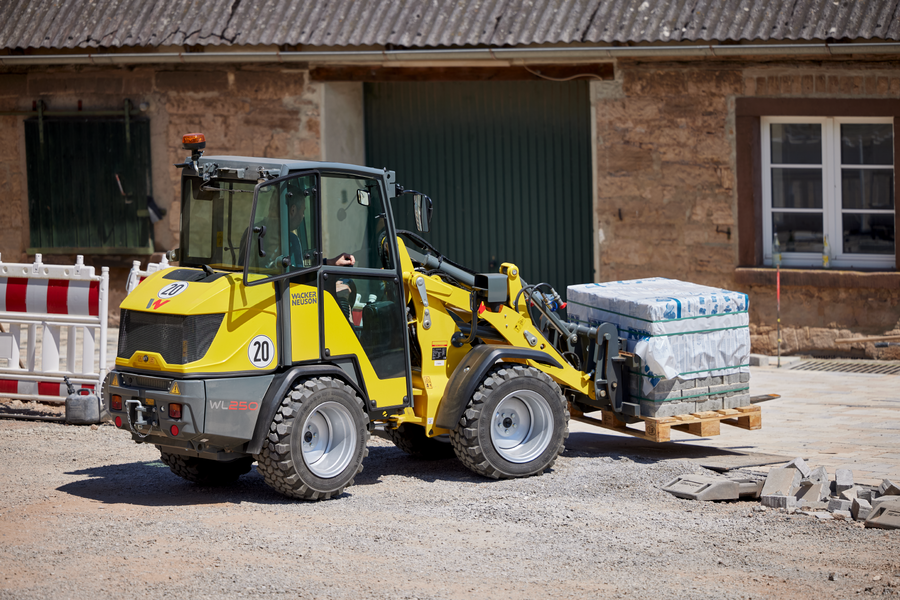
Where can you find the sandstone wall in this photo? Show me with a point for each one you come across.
(254, 111)
(667, 203)
(665, 149)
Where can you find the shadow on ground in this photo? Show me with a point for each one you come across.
(617, 446)
(153, 484)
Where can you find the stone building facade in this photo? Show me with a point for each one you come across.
(675, 171)
(669, 201)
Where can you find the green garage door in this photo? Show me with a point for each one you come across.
(508, 165)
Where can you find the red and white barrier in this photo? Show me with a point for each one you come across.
(67, 303)
(136, 275)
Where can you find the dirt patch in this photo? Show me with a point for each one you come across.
(94, 514)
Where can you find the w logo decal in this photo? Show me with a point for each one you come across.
(156, 303)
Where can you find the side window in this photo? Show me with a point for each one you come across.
(354, 222)
(283, 236)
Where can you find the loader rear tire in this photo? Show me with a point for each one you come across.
(515, 425)
(413, 440)
(205, 471)
(317, 441)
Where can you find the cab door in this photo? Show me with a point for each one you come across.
(363, 307)
(322, 239)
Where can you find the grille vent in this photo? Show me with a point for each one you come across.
(179, 339)
(150, 383)
(845, 366)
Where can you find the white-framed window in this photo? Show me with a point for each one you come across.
(828, 191)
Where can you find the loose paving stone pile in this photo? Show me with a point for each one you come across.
(797, 488)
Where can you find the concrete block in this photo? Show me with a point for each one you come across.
(713, 403)
(775, 501)
(889, 488)
(667, 409)
(885, 514)
(811, 492)
(838, 504)
(800, 464)
(814, 505)
(850, 494)
(668, 390)
(737, 401)
(842, 515)
(860, 509)
(745, 377)
(676, 384)
(759, 360)
(782, 482)
(866, 494)
(824, 516)
(708, 381)
(705, 487)
(724, 388)
(817, 475)
(843, 480)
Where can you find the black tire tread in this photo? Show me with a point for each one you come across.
(205, 471)
(274, 461)
(465, 437)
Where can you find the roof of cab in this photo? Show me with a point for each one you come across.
(286, 165)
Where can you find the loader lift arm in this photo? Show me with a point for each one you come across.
(476, 315)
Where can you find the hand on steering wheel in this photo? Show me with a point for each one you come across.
(344, 259)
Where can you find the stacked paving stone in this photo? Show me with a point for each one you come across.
(797, 487)
(693, 341)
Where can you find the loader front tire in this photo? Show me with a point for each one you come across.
(205, 471)
(515, 425)
(413, 440)
(317, 441)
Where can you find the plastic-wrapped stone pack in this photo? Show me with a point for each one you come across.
(693, 340)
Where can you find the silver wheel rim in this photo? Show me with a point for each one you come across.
(328, 440)
(521, 426)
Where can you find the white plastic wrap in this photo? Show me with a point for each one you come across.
(678, 329)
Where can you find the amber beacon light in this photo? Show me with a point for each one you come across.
(193, 141)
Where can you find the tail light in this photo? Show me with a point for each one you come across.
(115, 402)
(174, 410)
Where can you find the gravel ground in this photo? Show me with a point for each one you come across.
(87, 513)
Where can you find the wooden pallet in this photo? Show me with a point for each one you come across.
(703, 424)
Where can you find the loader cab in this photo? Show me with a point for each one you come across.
(321, 234)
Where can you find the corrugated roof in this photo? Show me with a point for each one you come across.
(61, 24)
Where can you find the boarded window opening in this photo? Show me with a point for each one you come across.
(75, 201)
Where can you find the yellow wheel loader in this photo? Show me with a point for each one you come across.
(300, 320)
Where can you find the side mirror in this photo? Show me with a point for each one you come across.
(423, 209)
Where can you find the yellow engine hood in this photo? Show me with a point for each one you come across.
(247, 325)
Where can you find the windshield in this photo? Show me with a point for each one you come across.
(310, 219)
(215, 222)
